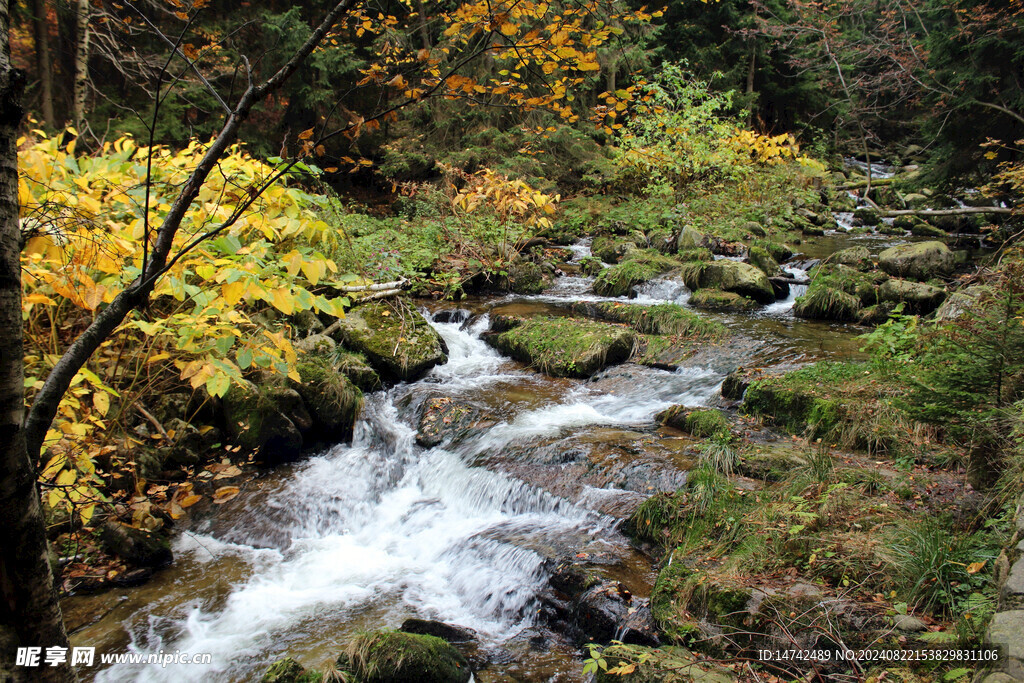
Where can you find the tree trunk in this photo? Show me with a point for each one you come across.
(29, 612)
(81, 87)
(44, 68)
(424, 30)
(946, 212)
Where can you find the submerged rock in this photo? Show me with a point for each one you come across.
(564, 347)
(919, 261)
(446, 421)
(396, 340)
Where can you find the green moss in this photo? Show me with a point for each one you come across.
(356, 368)
(659, 319)
(395, 338)
(611, 249)
(333, 400)
(288, 670)
(397, 657)
(838, 292)
(566, 347)
(761, 259)
(705, 423)
(637, 268)
(696, 254)
(717, 300)
(779, 252)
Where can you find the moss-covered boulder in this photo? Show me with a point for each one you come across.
(717, 300)
(334, 402)
(611, 249)
(140, 547)
(527, 277)
(266, 419)
(729, 276)
(565, 347)
(357, 369)
(639, 267)
(838, 292)
(397, 341)
(854, 257)
(925, 229)
(761, 259)
(920, 261)
(669, 319)
(398, 657)
(916, 297)
(691, 239)
(866, 216)
(700, 422)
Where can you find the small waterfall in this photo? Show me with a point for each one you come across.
(367, 534)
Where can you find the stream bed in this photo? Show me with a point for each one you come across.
(367, 534)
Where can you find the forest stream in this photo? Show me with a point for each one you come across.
(370, 533)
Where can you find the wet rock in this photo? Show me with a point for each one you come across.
(854, 257)
(730, 276)
(608, 611)
(439, 629)
(137, 546)
(398, 657)
(452, 315)
(261, 419)
(563, 347)
(781, 285)
(187, 446)
(446, 421)
(395, 339)
(916, 297)
(717, 300)
(920, 261)
(923, 229)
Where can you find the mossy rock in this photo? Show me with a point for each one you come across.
(717, 300)
(565, 347)
(762, 260)
(639, 267)
(397, 341)
(865, 216)
(827, 303)
(357, 369)
(288, 670)
(670, 664)
(700, 422)
(854, 257)
(838, 292)
(398, 657)
(874, 315)
(334, 402)
(691, 239)
(924, 229)
(667, 352)
(527, 277)
(920, 261)
(670, 599)
(770, 463)
(736, 277)
(906, 223)
(917, 297)
(891, 229)
(263, 419)
(779, 252)
(669, 319)
(611, 249)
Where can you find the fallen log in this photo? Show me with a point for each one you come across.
(945, 212)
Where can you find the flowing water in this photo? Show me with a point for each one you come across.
(364, 535)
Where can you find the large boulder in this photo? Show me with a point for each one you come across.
(564, 347)
(740, 278)
(398, 657)
(138, 546)
(269, 420)
(919, 261)
(333, 401)
(760, 258)
(397, 341)
(854, 257)
(915, 296)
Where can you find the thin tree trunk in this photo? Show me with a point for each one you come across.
(946, 212)
(44, 68)
(424, 31)
(29, 611)
(81, 87)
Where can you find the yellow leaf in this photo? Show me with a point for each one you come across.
(224, 494)
(101, 402)
(56, 464)
(509, 29)
(66, 478)
(189, 501)
(232, 291)
(281, 299)
(85, 512)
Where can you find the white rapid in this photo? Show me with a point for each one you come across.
(368, 534)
